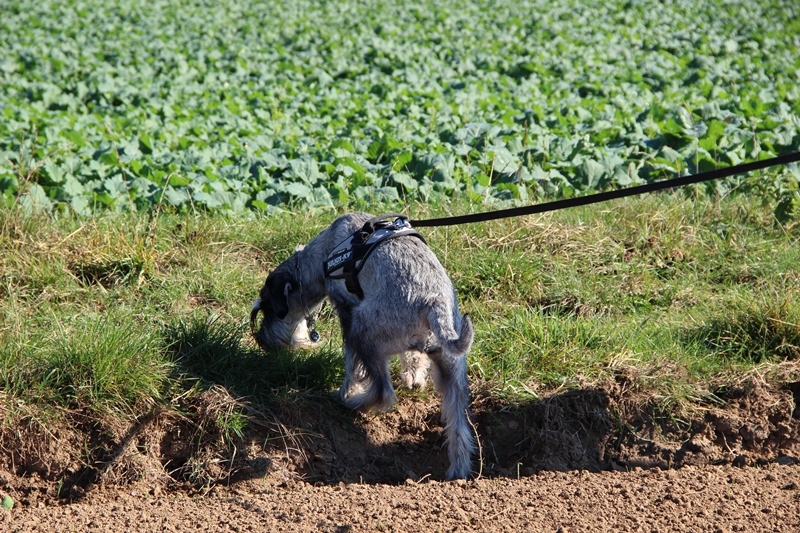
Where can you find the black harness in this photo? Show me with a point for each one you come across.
(346, 260)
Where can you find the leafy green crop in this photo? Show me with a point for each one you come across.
(245, 104)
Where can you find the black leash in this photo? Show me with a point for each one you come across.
(610, 195)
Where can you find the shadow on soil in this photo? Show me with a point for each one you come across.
(318, 439)
(591, 429)
(564, 432)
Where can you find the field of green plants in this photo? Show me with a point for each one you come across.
(158, 158)
(256, 105)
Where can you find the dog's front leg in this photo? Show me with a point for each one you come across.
(367, 385)
(355, 376)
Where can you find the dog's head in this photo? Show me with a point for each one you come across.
(283, 312)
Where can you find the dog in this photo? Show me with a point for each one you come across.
(398, 301)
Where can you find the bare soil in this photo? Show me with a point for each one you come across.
(595, 459)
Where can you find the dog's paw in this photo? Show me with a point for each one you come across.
(370, 402)
(413, 380)
(352, 389)
(414, 369)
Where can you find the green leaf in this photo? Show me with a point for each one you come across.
(503, 161)
(109, 158)
(8, 502)
(80, 204)
(146, 144)
(176, 197)
(404, 179)
(297, 189)
(343, 144)
(672, 127)
(591, 171)
(137, 166)
(35, 200)
(54, 172)
(75, 137)
(482, 179)
(375, 149)
(305, 171)
(176, 180)
(102, 198)
(116, 186)
(401, 159)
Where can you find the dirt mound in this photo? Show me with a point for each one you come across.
(594, 459)
(318, 440)
(750, 424)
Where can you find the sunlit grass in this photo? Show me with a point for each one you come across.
(118, 313)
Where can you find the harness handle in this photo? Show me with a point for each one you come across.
(379, 222)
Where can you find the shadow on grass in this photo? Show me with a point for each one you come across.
(293, 423)
(215, 352)
(245, 403)
(246, 414)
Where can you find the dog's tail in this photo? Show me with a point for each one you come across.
(450, 378)
(464, 342)
(461, 344)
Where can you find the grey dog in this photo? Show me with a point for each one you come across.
(407, 306)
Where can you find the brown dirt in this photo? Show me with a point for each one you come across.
(595, 459)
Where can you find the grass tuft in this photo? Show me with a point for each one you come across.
(101, 363)
(754, 332)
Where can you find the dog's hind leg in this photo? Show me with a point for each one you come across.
(450, 378)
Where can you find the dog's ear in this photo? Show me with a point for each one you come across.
(279, 288)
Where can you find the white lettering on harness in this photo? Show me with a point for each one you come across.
(339, 259)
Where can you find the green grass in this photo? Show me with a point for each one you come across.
(101, 363)
(120, 313)
(215, 352)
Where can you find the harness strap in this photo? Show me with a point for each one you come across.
(348, 257)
